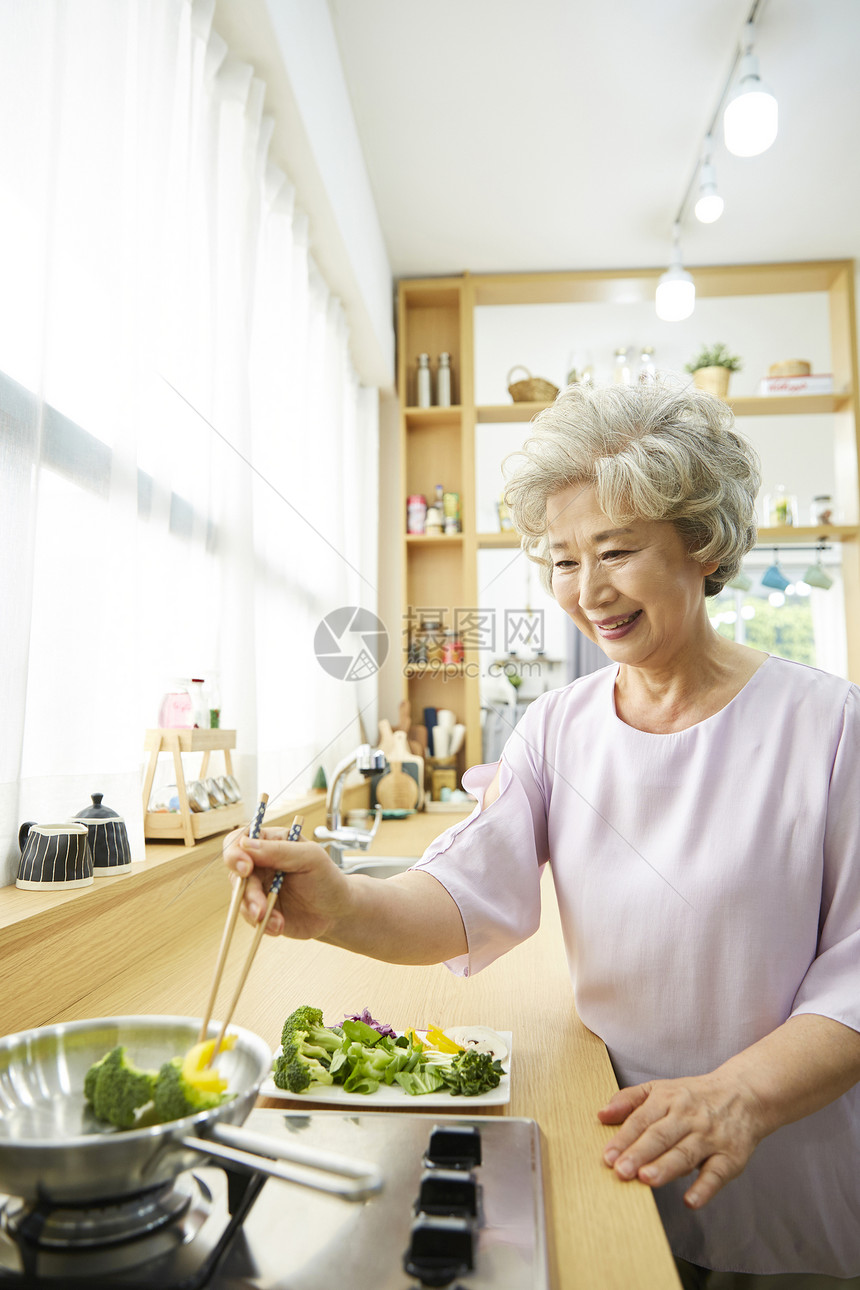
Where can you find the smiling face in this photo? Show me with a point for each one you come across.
(632, 589)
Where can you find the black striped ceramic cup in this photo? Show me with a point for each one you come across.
(54, 856)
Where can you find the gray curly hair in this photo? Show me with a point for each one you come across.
(652, 452)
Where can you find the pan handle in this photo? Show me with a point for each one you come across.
(321, 1170)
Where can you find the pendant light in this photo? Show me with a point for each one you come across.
(709, 204)
(676, 291)
(751, 118)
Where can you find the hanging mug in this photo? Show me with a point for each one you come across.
(775, 578)
(54, 856)
(108, 838)
(741, 581)
(817, 576)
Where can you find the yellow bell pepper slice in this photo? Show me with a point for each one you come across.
(196, 1071)
(414, 1040)
(440, 1040)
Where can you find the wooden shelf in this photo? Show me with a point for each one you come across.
(787, 405)
(191, 740)
(441, 670)
(169, 824)
(433, 539)
(784, 405)
(489, 541)
(786, 533)
(497, 413)
(807, 533)
(430, 418)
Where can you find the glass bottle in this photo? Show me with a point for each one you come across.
(780, 508)
(432, 631)
(434, 521)
(175, 712)
(621, 370)
(416, 513)
(452, 647)
(647, 374)
(821, 511)
(424, 397)
(199, 703)
(586, 372)
(443, 381)
(213, 694)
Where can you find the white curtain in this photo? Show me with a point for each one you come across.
(187, 461)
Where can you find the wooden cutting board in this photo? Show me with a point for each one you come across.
(397, 791)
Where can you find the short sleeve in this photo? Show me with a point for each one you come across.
(491, 863)
(831, 986)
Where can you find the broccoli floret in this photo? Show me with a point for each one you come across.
(117, 1088)
(175, 1096)
(471, 1073)
(90, 1080)
(304, 1028)
(295, 1070)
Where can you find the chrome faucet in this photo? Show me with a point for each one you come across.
(333, 835)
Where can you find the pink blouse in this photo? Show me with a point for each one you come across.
(709, 888)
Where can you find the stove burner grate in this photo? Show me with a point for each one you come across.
(172, 1237)
(78, 1227)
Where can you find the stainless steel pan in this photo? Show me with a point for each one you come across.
(52, 1146)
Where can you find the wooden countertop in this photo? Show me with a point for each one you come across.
(154, 954)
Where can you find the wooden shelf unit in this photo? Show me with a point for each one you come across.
(438, 447)
(186, 824)
(438, 444)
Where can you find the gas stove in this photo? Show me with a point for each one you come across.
(461, 1207)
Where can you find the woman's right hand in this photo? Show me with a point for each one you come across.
(314, 896)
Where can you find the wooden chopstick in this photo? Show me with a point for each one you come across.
(232, 914)
(293, 836)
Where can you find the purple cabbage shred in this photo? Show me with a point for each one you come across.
(364, 1015)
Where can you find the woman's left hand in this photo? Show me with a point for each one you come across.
(712, 1123)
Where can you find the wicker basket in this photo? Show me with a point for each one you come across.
(532, 390)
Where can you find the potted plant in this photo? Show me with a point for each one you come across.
(712, 367)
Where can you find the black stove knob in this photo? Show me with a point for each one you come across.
(455, 1148)
(440, 1249)
(448, 1191)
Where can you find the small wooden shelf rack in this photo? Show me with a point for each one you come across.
(187, 824)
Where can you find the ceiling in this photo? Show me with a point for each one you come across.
(515, 135)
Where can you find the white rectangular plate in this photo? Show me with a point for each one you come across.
(394, 1096)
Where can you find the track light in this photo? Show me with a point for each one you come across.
(709, 204)
(751, 118)
(676, 291)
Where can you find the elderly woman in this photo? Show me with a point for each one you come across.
(698, 807)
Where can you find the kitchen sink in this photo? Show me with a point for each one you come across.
(378, 866)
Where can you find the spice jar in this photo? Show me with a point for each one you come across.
(433, 522)
(621, 369)
(821, 511)
(418, 647)
(416, 513)
(451, 511)
(431, 629)
(452, 647)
